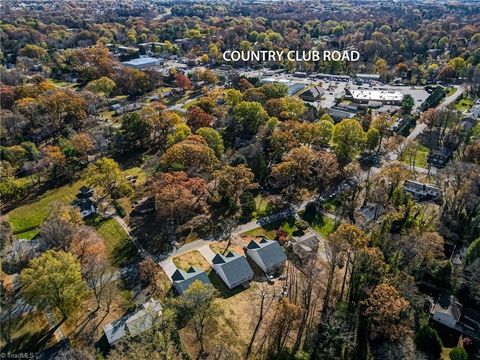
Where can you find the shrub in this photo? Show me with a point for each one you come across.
(458, 353)
(428, 341)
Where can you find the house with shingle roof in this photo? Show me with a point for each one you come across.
(183, 279)
(233, 269)
(449, 312)
(268, 255)
(305, 246)
(312, 94)
(133, 324)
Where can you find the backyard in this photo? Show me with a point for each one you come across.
(121, 249)
(26, 218)
(421, 155)
(464, 104)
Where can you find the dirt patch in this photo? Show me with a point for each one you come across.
(237, 244)
(85, 325)
(236, 324)
(191, 258)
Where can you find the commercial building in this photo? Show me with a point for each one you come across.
(293, 87)
(143, 62)
(381, 96)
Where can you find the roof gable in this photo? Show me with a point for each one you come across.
(237, 269)
(218, 259)
(178, 276)
(252, 245)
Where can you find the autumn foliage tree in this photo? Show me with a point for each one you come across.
(349, 139)
(179, 197)
(192, 155)
(105, 175)
(183, 82)
(388, 313)
(232, 181)
(197, 118)
(304, 168)
(62, 107)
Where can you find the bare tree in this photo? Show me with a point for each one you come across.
(267, 297)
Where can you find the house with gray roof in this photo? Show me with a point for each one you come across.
(233, 269)
(183, 279)
(133, 324)
(268, 255)
(305, 246)
(421, 191)
(449, 312)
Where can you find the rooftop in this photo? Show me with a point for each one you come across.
(234, 266)
(376, 95)
(183, 279)
(269, 251)
(145, 60)
(133, 324)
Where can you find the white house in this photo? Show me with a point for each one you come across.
(475, 111)
(422, 191)
(449, 312)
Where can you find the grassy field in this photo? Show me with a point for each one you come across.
(324, 227)
(261, 203)
(136, 171)
(191, 258)
(451, 91)
(464, 104)
(26, 332)
(420, 157)
(322, 224)
(26, 217)
(121, 249)
(190, 104)
(28, 235)
(270, 230)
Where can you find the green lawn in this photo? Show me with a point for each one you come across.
(60, 83)
(324, 227)
(190, 104)
(464, 104)
(121, 249)
(420, 157)
(26, 217)
(322, 224)
(451, 91)
(28, 235)
(330, 205)
(136, 171)
(270, 230)
(261, 203)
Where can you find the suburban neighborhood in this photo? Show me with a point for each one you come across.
(159, 200)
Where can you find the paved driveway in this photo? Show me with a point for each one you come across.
(202, 246)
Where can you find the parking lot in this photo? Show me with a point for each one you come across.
(335, 88)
